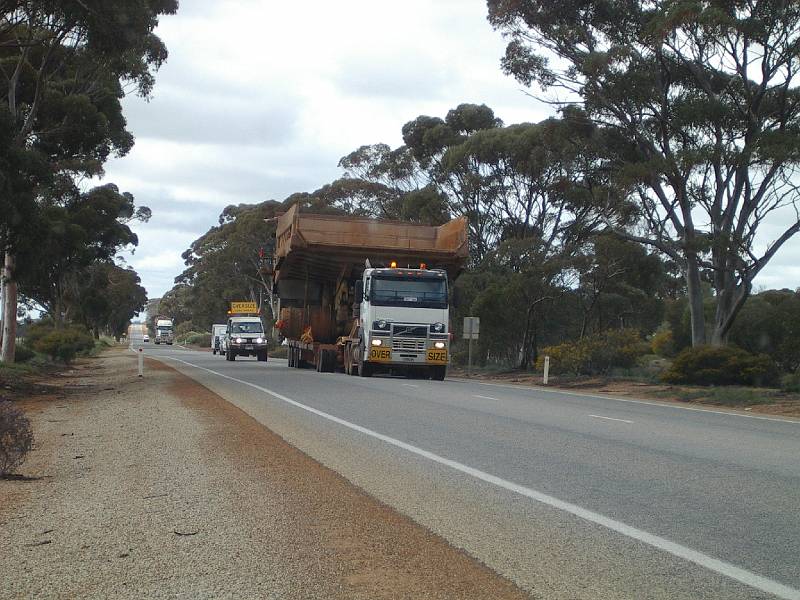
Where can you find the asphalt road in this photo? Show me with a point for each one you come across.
(570, 496)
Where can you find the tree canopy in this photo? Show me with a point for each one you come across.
(702, 106)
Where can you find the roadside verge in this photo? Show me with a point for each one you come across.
(157, 486)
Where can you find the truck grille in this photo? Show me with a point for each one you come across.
(412, 331)
(403, 344)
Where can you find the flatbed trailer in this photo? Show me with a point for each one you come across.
(319, 273)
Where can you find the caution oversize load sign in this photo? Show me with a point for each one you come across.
(243, 307)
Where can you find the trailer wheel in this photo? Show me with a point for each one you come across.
(348, 359)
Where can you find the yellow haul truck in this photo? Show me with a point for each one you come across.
(366, 296)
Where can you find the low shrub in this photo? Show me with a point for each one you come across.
(64, 344)
(278, 352)
(721, 365)
(16, 437)
(791, 382)
(199, 339)
(663, 343)
(595, 354)
(23, 354)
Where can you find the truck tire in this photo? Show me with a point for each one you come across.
(213, 351)
(364, 368)
(438, 373)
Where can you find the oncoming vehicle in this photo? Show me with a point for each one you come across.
(217, 335)
(146, 338)
(245, 336)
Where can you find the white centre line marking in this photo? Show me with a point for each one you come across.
(487, 398)
(610, 418)
(409, 385)
(727, 569)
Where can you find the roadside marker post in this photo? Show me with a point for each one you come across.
(546, 370)
(472, 328)
(141, 363)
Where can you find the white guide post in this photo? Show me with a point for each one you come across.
(546, 370)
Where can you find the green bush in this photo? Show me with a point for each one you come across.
(595, 354)
(721, 365)
(663, 343)
(199, 339)
(23, 354)
(278, 352)
(791, 382)
(64, 344)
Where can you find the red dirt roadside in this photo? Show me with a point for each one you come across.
(158, 487)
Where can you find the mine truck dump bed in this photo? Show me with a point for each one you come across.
(330, 248)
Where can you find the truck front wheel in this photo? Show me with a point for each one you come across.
(438, 373)
(364, 368)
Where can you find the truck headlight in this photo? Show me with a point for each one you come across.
(439, 345)
(382, 324)
(377, 342)
(239, 340)
(438, 327)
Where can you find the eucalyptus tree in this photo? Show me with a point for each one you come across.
(463, 184)
(703, 104)
(64, 68)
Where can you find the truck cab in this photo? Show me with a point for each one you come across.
(164, 331)
(244, 336)
(404, 315)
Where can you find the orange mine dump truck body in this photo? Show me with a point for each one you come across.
(319, 257)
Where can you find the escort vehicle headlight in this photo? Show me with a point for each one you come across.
(239, 340)
(377, 342)
(259, 340)
(439, 345)
(438, 327)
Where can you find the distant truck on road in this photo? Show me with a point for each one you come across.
(164, 331)
(244, 333)
(366, 296)
(217, 335)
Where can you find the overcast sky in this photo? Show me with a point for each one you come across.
(260, 99)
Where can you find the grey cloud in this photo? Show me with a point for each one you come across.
(186, 116)
(394, 77)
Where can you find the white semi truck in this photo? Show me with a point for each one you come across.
(165, 331)
(366, 296)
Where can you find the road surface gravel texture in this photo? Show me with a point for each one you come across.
(158, 488)
(568, 496)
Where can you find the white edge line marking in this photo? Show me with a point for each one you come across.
(487, 397)
(409, 385)
(712, 564)
(610, 418)
(536, 388)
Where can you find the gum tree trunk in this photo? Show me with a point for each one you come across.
(9, 311)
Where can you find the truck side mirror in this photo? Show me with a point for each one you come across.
(359, 291)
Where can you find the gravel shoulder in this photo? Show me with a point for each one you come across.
(157, 487)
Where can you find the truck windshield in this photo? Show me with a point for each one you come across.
(409, 291)
(250, 327)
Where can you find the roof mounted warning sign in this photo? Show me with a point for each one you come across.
(243, 307)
